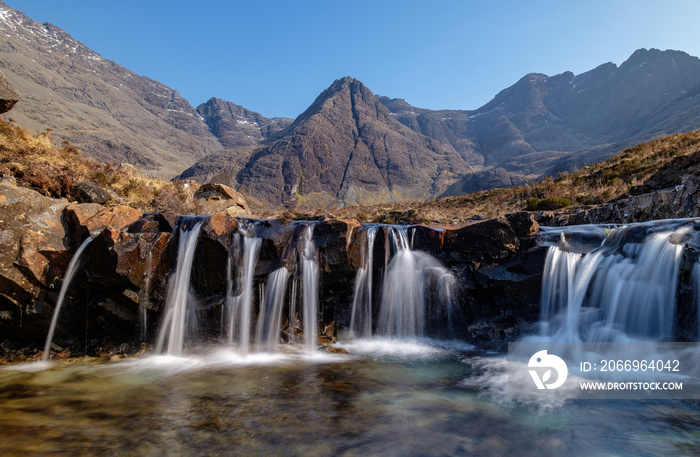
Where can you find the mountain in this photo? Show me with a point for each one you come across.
(349, 146)
(542, 124)
(236, 126)
(100, 107)
(346, 148)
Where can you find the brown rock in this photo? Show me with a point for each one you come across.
(84, 219)
(76, 216)
(31, 234)
(213, 198)
(219, 224)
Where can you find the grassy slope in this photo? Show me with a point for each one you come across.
(642, 168)
(35, 162)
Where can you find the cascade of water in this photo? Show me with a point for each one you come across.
(240, 305)
(617, 292)
(410, 282)
(361, 317)
(144, 298)
(270, 316)
(229, 312)
(174, 325)
(67, 278)
(310, 280)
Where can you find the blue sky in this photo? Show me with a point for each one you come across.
(275, 57)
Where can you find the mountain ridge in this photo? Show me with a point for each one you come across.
(387, 150)
(346, 137)
(110, 112)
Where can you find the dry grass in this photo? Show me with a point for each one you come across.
(35, 162)
(643, 168)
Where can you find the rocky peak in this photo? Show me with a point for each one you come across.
(345, 96)
(236, 126)
(346, 148)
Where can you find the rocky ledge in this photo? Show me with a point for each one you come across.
(115, 301)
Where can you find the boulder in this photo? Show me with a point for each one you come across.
(493, 240)
(33, 244)
(214, 198)
(34, 253)
(87, 192)
(84, 220)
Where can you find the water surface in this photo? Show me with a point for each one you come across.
(418, 398)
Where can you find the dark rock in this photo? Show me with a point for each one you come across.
(87, 192)
(488, 241)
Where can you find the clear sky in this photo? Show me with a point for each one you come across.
(275, 57)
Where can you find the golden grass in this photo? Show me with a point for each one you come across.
(35, 162)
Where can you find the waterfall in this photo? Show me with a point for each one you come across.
(310, 280)
(270, 317)
(144, 299)
(67, 278)
(415, 284)
(361, 317)
(174, 325)
(623, 290)
(240, 303)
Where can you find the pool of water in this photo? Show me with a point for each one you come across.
(388, 398)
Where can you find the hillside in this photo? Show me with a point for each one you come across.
(656, 165)
(34, 161)
(104, 109)
(349, 147)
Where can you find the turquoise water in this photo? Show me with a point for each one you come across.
(383, 398)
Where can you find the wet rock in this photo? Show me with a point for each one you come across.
(489, 241)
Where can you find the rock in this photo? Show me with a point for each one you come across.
(493, 240)
(155, 222)
(219, 225)
(87, 192)
(8, 95)
(144, 261)
(33, 244)
(76, 217)
(34, 252)
(85, 220)
(212, 198)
